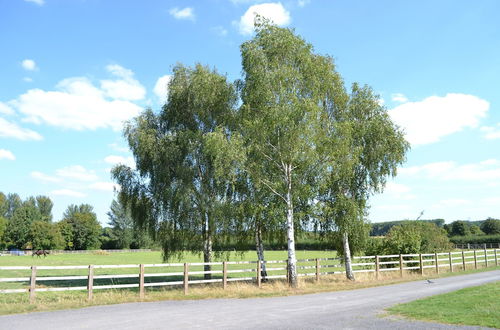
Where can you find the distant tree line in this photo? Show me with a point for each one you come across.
(27, 224)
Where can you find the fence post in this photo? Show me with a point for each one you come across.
(496, 258)
(377, 267)
(32, 284)
(259, 275)
(224, 275)
(486, 258)
(141, 281)
(317, 269)
(401, 265)
(421, 264)
(90, 283)
(475, 259)
(463, 260)
(186, 278)
(437, 262)
(451, 262)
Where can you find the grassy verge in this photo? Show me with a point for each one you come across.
(47, 301)
(478, 306)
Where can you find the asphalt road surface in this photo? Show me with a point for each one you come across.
(356, 309)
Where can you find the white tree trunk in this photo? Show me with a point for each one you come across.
(207, 247)
(292, 259)
(347, 257)
(259, 247)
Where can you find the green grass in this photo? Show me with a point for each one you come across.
(477, 306)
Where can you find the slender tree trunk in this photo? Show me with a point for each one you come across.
(347, 257)
(292, 260)
(259, 247)
(207, 247)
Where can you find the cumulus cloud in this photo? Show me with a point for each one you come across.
(105, 186)
(398, 97)
(429, 120)
(12, 130)
(76, 172)
(123, 88)
(161, 87)
(273, 11)
(44, 177)
(488, 170)
(6, 154)
(114, 160)
(29, 65)
(67, 193)
(186, 13)
(38, 2)
(5, 109)
(491, 132)
(78, 104)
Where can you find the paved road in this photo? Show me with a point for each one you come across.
(356, 309)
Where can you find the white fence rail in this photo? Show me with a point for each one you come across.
(230, 271)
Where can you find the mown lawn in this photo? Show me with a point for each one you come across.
(479, 306)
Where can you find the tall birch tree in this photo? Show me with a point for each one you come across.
(177, 191)
(283, 91)
(369, 147)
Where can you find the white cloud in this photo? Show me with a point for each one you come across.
(488, 170)
(114, 160)
(398, 97)
(44, 177)
(5, 109)
(77, 172)
(12, 130)
(396, 188)
(429, 120)
(451, 202)
(38, 2)
(273, 11)
(124, 88)
(6, 154)
(67, 192)
(491, 133)
(29, 65)
(303, 3)
(77, 104)
(117, 147)
(105, 186)
(186, 13)
(161, 87)
(220, 31)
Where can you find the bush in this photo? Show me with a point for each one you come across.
(413, 237)
(479, 239)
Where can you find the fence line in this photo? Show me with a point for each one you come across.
(229, 271)
(29, 252)
(477, 246)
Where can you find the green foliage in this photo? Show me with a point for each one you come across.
(414, 237)
(3, 227)
(80, 229)
(382, 228)
(459, 228)
(491, 226)
(18, 228)
(45, 236)
(475, 239)
(177, 192)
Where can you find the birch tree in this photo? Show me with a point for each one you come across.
(177, 191)
(371, 148)
(282, 91)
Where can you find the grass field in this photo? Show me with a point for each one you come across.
(477, 306)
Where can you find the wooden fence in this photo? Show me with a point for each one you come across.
(477, 246)
(229, 271)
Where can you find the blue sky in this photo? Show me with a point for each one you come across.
(72, 70)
